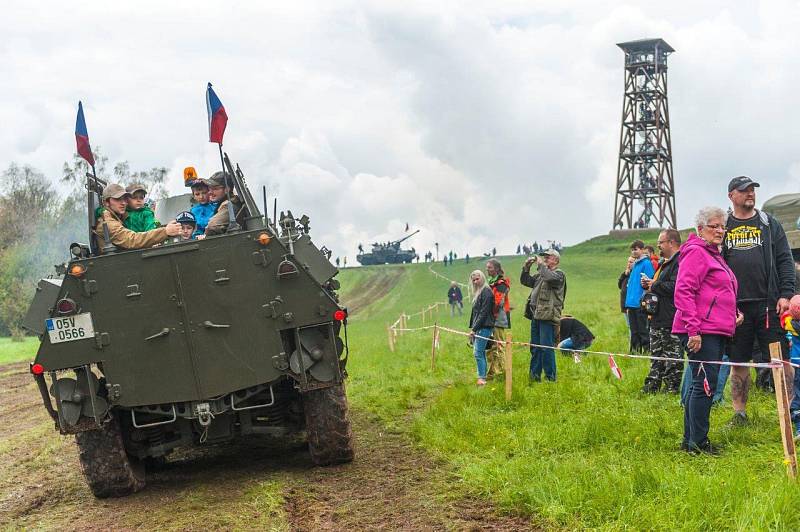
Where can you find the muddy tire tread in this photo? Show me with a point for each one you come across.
(330, 436)
(108, 469)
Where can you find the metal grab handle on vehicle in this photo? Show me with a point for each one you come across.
(163, 332)
(209, 325)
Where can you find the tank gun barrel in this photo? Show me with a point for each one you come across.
(406, 238)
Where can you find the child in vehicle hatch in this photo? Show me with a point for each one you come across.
(140, 216)
(202, 209)
(188, 225)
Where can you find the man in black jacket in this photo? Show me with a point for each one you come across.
(664, 344)
(756, 249)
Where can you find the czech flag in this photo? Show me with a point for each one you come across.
(82, 137)
(217, 118)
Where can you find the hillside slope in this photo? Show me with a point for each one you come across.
(588, 451)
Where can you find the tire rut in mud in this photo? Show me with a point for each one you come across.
(390, 485)
(372, 289)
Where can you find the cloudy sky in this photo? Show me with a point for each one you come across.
(482, 124)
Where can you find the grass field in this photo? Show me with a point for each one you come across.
(18, 351)
(588, 451)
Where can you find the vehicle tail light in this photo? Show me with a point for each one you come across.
(263, 239)
(37, 369)
(77, 270)
(65, 306)
(339, 315)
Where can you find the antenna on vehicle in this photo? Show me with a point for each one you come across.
(266, 212)
(275, 213)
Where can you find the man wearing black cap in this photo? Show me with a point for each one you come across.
(757, 251)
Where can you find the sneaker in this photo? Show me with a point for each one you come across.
(739, 419)
(684, 446)
(481, 382)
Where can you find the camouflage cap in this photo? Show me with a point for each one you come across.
(217, 179)
(136, 187)
(114, 190)
(552, 252)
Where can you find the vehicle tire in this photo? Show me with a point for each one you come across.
(330, 437)
(108, 469)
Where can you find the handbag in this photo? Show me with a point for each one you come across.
(649, 303)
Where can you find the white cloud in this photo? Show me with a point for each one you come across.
(483, 124)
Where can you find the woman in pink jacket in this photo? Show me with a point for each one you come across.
(705, 319)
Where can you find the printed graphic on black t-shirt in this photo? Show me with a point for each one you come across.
(744, 243)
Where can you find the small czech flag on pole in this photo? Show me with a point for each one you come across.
(217, 118)
(82, 137)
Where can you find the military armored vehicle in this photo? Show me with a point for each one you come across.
(786, 209)
(193, 343)
(387, 253)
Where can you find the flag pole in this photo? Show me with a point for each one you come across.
(233, 225)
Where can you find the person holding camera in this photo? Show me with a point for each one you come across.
(659, 304)
(638, 268)
(545, 303)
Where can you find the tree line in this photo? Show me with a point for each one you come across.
(40, 216)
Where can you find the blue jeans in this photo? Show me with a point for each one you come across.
(697, 411)
(722, 380)
(569, 343)
(479, 350)
(543, 358)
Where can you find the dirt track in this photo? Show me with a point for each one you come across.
(250, 485)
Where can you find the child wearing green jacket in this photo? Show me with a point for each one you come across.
(140, 217)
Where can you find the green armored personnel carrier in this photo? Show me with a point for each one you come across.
(193, 343)
(786, 209)
(387, 253)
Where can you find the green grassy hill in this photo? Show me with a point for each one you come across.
(588, 451)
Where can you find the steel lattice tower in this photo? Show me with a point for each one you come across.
(644, 171)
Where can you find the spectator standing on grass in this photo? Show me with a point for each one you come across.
(545, 303)
(480, 321)
(501, 311)
(573, 334)
(455, 298)
(639, 267)
(664, 344)
(756, 249)
(651, 252)
(705, 319)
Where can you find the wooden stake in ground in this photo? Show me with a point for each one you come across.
(789, 453)
(433, 345)
(391, 338)
(509, 365)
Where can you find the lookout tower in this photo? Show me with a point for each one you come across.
(644, 171)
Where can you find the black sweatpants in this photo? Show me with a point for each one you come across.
(640, 330)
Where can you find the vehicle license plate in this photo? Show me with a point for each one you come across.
(70, 328)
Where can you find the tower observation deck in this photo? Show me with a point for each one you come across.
(645, 187)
